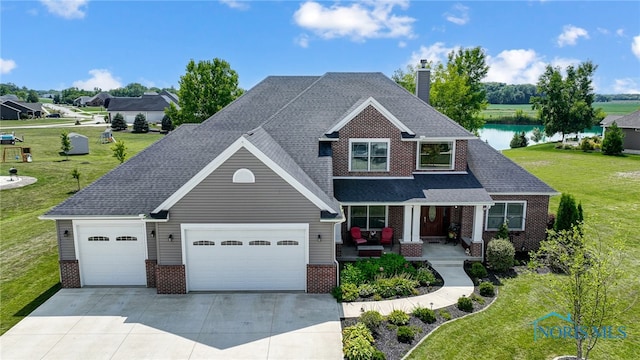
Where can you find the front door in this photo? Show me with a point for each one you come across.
(433, 221)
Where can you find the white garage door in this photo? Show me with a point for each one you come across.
(245, 256)
(111, 253)
(130, 119)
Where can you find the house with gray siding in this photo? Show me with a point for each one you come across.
(262, 195)
(630, 126)
(151, 105)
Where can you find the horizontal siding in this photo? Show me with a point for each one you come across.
(66, 247)
(269, 200)
(152, 248)
(631, 139)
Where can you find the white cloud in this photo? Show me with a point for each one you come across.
(620, 32)
(236, 4)
(100, 78)
(68, 9)
(6, 66)
(603, 31)
(434, 53)
(635, 46)
(626, 86)
(302, 40)
(459, 15)
(563, 63)
(358, 21)
(516, 66)
(402, 44)
(570, 35)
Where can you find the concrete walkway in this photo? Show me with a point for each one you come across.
(456, 284)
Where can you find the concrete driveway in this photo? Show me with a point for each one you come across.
(135, 323)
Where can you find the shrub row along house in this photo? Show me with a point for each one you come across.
(262, 195)
(151, 105)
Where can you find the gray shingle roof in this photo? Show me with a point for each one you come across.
(143, 103)
(629, 121)
(286, 115)
(498, 174)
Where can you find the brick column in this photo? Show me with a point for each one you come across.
(171, 279)
(321, 278)
(411, 248)
(151, 272)
(70, 273)
(338, 250)
(476, 249)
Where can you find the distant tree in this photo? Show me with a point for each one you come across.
(33, 97)
(56, 99)
(167, 125)
(457, 90)
(537, 135)
(568, 215)
(613, 140)
(65, 143)
(76, 175)
(140, 124)
(406, 79)
(205, 89)
(118, 123)
(119, 151)
(565, 104)
(518, 140)
(131, 90)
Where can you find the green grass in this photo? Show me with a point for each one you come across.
(609, 189)
(46, 100)
(5, 125)
(28, 248)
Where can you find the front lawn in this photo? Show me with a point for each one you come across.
(28, 248)
(609, 189)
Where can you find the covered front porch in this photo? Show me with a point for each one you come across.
(433, 252)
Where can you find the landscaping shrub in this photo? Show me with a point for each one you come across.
(400, 285)
(349, 292)
(378, 355)
(444, 314)
(118, 123)
(351, 274)
(427, 316)
(500, 254)
(394, 264)
(477, 298)
(478, 271)
(140, 124)
(167, 124)
(398, 317)
(358, 330)
(503, 231)
(366, 290)
(336, 292)
(587, 144)
(568, 214)
(518, 140)
(371, 319)
(613, 140)
(487, 289)
(425, 276)
(465, 304)
(405, 334)
(358, 349)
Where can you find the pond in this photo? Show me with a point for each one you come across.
(499, 136)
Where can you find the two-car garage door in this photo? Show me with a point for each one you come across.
(245, 256)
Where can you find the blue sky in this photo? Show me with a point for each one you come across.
(53, 44)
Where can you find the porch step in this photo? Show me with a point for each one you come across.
(445, 262)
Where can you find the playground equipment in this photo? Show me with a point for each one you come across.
(107, 137)
(20, 153)
(10, 139)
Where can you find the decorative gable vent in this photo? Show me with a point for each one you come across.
(244, 176)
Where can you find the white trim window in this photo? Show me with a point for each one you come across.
(368, 217)
(512, 212)
(368, 154)
(436, 155)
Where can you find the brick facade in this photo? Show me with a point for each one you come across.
(461, 156)
(411, 249)
(475, 249)
(70, 273)
(171, 279)
(339, 250)
(150, 265)
(535, 222)
(321, 278)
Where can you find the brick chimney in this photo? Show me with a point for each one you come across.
(423, 82)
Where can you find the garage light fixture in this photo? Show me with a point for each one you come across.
(319, 237)
(153, 233)
(170, 237)
(66, 233)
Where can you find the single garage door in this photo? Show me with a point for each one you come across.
(130, 119)
(245, 256)
(111, 253)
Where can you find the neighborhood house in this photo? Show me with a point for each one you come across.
(151, 105)
(265, 193)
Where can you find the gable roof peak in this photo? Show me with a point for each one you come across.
(362, 104)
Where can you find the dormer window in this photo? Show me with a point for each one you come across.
(369, 155)
(436, 155)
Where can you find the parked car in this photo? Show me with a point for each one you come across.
(56, 115)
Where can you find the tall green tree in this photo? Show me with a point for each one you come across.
(118, 123)
(205, 88)
(33, 97)
(406, 79)
(140, 124)
(119, 151)
(566, 103)
(65, 143)
(568, 215)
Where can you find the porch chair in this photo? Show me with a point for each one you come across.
(386, 237)
(356, 236)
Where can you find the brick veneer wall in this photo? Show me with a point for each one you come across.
(372, 124)
(461, 155)
(396, 221)
(150, 266)
(535, 223)
(171, 279)
(411, 249)
(321, 278)
(70, 273)
(466, 221)
(339, 250)
(475, 249)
